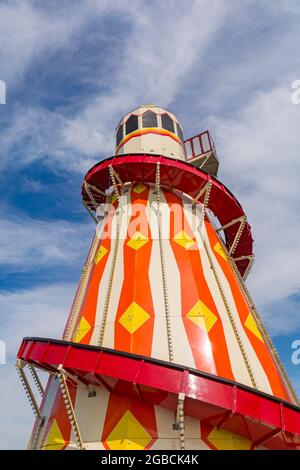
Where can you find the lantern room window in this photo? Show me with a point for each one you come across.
(119, 136)
(132, 124)
(179, 131)
(167, 123)
(149, 119)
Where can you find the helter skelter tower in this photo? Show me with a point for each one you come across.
(163, 347)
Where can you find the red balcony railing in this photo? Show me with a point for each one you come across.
(199, 145)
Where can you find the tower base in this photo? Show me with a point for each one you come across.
(107, 399)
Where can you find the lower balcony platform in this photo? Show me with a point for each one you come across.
(268, 421)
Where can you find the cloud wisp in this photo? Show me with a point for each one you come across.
(28, 244)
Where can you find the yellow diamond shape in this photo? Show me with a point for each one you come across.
(113, 198)
(54, 439)
(251, 325)
(83, 328)
(133, 317)
(226, 440)
(128, 434)
(137, 241)
(100, 253)
(220, 250)
(139, 188)
(183, 239)
(202, 316)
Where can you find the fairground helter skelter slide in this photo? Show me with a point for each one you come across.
(163, 347)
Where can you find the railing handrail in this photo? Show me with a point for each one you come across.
(197, 135)
(198, 138)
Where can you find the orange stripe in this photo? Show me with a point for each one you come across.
(136, 284)
(209, 349)
(148, 130)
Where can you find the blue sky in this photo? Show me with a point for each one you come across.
(71, 70)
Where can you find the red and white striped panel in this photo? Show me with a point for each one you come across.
(161, 285)
(110, 420)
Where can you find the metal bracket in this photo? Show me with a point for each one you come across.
(205, 160)
(202, 191)
(90, 195)
(250, 258)
(249, 267)
(30, 395)
(116, 175)
(234, 221)
(242, 221)
(97, 190)
(69, 406)
(180, 424)
(113, 176)
(206, 191)
(238, 234)
(36, 380)
(89, 211)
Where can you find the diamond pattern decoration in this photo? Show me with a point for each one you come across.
(202, 316)
(139, 188)
(251, 325)
(133, 317)
(54, 439)
(226, 440)
(218, 249)
(128, 434)
(184, 240)
(137, 241)
(83, 328)
(100, 254)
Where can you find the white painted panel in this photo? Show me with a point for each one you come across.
(90, 413)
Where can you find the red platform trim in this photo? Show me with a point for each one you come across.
(240, 409)
(175, 174)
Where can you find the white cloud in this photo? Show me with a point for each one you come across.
(25, 33)
(282, 316)
(258, 149)
(164, 44)
(155, 58)
(41, 311)
(31, 185)
(29, 30)
(281, 7)
(30, 243)
(16, 415)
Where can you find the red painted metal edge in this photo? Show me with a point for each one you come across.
(208, 398)
(175, 174)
